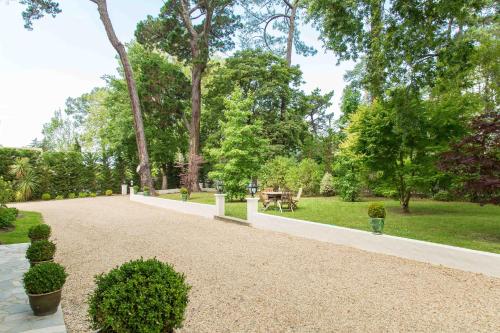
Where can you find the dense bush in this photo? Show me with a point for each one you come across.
(376, 210)
(136, 188)
(109, 192)
(82, 195)
(184, 190)
(71, 195)
(274, 172)
(39, 232)
(326, 187)
(46, 196)
(92, 194)
(59, 197)
(44, 278)
(41, 251)
(7, 217)
(5, 192)
(443, 196)
(347, 181)
(139, 296)
(307, 174)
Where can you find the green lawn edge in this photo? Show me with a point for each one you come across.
(21, 227)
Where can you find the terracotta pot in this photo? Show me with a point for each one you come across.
(34, 263)
(45, 304)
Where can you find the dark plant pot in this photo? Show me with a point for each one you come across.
(377, 225)
(45, 304)
(34, 263)
(184, 196)
(146, 193)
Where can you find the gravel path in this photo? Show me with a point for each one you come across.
(249, 280)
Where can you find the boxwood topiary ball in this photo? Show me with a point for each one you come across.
(44, 278)
(139, 296)
(376, 210)
(39, 232)
(41, 251)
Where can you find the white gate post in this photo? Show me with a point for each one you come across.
(252, 208)
(124, 189)
(219, 203)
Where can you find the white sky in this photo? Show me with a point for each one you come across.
(68, 55)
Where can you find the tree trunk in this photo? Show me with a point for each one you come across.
(194, 128)
(164, 177)
(291, 31)
(144, 168)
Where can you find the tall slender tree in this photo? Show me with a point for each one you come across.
(192, 30)
(36, 9)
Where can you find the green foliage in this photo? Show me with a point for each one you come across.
(109, 192)
(347, 177)
(242, 149)
(7, 217)
(307, 174)
(376, 210)
(153, 291)
(443, 195)
(184, 190)
(59, 197)
(39, 232)
(326, 187)
(41, 250)
(36, 9)
(71, 195)
(25, 178)
(83, 195)
(46, 196)
(145, 189)
(44, 278)
(274, 172)
(5, 192)
(92, 194)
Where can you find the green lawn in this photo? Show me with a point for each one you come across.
(22, 225)
(454, 223)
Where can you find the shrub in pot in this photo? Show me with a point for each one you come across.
(40, 251)
(145, 190)
(46, 196)
(43, 283)
(71, 195)
(376, 212)
(109, 192)
(184, 193)
(39, 232)
(139, 296)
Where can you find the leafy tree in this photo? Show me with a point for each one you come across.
(326, 186)
(242, 150)
(347, 180)
(263, 17)
(192, 31)
(275, 171)
(306, 175)
(266, 77)
(476, 159)
(36, 9)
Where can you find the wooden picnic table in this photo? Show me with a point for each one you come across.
(274, 196)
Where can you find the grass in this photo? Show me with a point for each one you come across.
(22, 225)
(453, 223)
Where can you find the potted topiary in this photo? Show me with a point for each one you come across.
(41, 251)
(39, 232)
(184, 193)
(109, 192)
(145, 191)
(376, 211)
(43, 283)
(123, 292)
(46, 196)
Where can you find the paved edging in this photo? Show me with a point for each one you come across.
(15, 312)
(438, 254)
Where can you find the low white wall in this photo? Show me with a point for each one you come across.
(204, 210)
(438, 254)
(176, 190)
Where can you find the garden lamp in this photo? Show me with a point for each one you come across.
(252, 188)
(219, 186)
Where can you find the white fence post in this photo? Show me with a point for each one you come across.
(252, 208)
(219, 203)
(124, 189)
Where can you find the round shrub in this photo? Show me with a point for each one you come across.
(39, 232)
(92, 194)
(41, 251)
(376, 210)
(46, 196)
(82, 195)
(109, 192)
(59, 197)
(71, 195)
(184, 190)
(44, 278)
(152, 291)
(7, 217)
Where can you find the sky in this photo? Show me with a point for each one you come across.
(67, 56)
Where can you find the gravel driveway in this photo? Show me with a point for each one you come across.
(249, 280)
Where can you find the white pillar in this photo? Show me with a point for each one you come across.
(124, 189)
(252, 208)
(219, 204)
